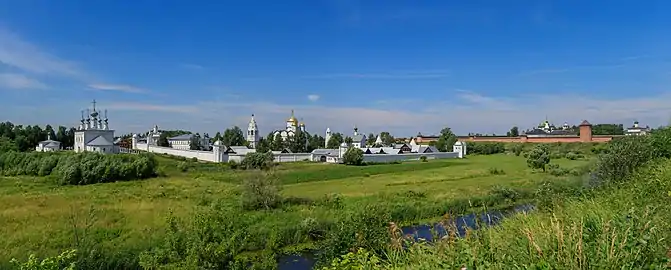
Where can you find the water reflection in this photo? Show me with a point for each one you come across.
(425, 232)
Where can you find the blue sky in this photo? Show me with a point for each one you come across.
(399, 66)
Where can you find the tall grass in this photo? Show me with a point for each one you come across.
(616, 218)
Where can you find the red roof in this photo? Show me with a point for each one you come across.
(585, 123)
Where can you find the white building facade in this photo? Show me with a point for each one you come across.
(94, 134)
(48, 145)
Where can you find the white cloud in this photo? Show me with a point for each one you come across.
(117, 87)
(192, 66)
(20, 81)
(147, 107)
(313, 97)
(18, 53)
(466, 111)
(417, 74)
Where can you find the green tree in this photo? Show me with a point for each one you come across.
(299, 142)
(446, 140)
(234, 137)
(7, 145)
(348, 140)
(278, 143)
(194, 143)
(163, 140)
(263, 146)
(217, 137)
(370, 139)
(539, 157)
(386, 138)
(316, 142)
(335, 141)
(353, 156)
(514, 132)
(608, 129)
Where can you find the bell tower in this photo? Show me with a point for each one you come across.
(252, 133)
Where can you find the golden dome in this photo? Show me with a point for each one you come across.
(292, 118)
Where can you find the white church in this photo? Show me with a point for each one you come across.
(94, 134)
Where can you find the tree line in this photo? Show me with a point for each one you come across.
(24, 138)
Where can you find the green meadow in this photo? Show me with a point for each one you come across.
(119, 220)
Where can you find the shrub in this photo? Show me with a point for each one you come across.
(64, 261)
(353, 156)
(517, 149)
(256, 160)
(495, 171)
(359, 259)
(555, 170)
(423, 159)
(79, 168)
(233, 164)
(486, 148)
(183, 166)
(194, 159)
(261, 191)
(623, 156)
(505, 193)
(538, 157)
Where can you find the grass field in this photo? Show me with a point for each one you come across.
(40, 217)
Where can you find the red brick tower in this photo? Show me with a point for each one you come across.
(585, 131)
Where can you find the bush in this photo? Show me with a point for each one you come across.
(505, 193)
(79, 168)
(538, 157)
(517, 149)
(574, 156)
(194, 159)
(233, 164)
(64, 261)
(495, 171)
(486, 148)
(261, 191)
(183, 166)
(623, 156)
(423, 159)
(353, 156)
(555, 170)
(256, 160)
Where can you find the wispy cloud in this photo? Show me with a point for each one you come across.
(570, 69)
(429, 74)
(313, 97)
(21, 54)
(117, 87)
(148, 107)
(192, 66)
(467, 111)
(20, 81)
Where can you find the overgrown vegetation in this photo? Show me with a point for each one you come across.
(261, 191)
(353, 156)
(79, 168)
(539, 157)
(615, 217)
(245, 220)
(256, 160)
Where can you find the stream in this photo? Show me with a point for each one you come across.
(424, 232)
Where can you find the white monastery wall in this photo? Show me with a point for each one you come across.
(412, 156)
(200, 155)
(292, 157)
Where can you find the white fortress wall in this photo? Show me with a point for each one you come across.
(292, 157)
(411, 156)
(200, 155)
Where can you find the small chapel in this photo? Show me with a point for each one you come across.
(94, 134)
